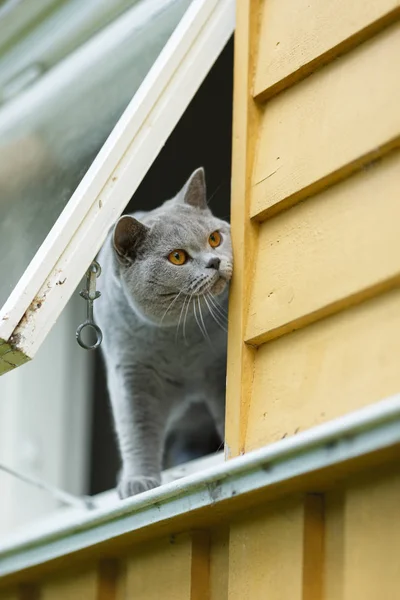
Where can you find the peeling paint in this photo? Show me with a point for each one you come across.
(15, 355)
(15, 340)
(10, 356)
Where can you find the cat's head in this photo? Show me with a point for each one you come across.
(179, 255)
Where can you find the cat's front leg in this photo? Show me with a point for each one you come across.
(140, 421)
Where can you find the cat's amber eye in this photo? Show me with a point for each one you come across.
(215, 239)
(177, 257)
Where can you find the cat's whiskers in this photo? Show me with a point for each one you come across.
(206, 336)
(205, 285)
(170, 305)
(180, 318)
(214, 316)
(197, 284)
(186, 314)
(195, 316)
(196, 292)
(218, 307)
(185, 307)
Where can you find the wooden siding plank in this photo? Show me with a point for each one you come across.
(334, 545)
(325, 370)
(173, 569)
(8, 595)
(71, 586)
(313, 547)
(161, 570)
(244, 233)
(121, 583)
(109, 576)
(219, 563)
(372, 538)
(21, 592)
(330, 251)
(273, 550)
(297, 38)
(200, 567)
(329, 125)
(265, 553)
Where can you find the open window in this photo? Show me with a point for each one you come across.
(52, 276)
(185, 82)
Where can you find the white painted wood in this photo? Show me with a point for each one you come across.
(116, 173)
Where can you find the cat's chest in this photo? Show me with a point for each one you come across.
(192, 349)
(183, 354)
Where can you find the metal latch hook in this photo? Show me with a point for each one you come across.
(90, 295)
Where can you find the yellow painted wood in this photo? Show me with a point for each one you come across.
(325, 370)
(244, 233)
(8, 595)
(297, 37)
(334, 545)
(173, 569)
(219, 564)
(313, 547)
(109, 577)
(29, 592)
(327, 252)
(21, 592)
(71, 586)
(267, 553)
(200, 571)
(121, 580)
(322, 129)
(372, 538)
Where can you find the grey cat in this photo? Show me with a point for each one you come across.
(164, 289)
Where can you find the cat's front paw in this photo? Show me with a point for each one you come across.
(130, 486)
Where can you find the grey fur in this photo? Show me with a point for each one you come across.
(164, 342)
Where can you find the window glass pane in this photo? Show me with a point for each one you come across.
(57, 109)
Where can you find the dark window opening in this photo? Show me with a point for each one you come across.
(202, 137)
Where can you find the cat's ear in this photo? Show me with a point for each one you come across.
(129, 234)
(194, 191)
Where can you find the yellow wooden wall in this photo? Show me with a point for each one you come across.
(342, 544)
(315, 319)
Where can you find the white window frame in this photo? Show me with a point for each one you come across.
(55, 271)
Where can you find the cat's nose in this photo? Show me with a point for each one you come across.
(213, 263)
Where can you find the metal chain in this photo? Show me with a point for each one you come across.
(90, 295)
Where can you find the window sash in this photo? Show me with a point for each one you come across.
(55, 271)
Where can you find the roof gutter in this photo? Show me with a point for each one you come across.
(366, 431)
